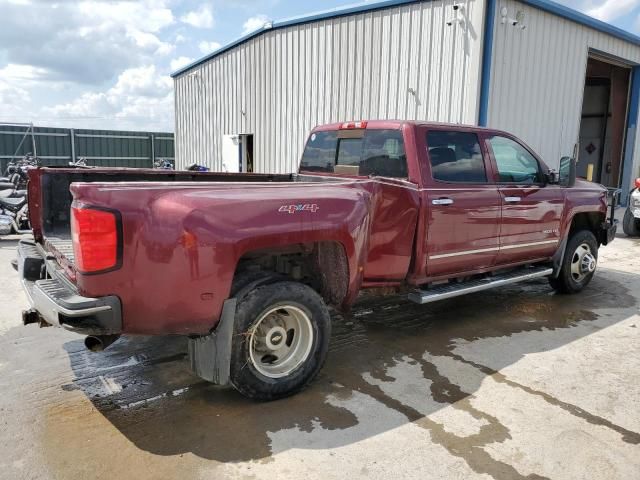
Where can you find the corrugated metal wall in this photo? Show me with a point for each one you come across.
(537, 77)
(108, 148)
(280, 84)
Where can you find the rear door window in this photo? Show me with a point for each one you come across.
(373, 152)
(456, 157)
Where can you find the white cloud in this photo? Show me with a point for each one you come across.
(208, 47)
(180, 62)
(254, 23)
(613, 9)
(142, 98)
(86, 42)
(201, 18)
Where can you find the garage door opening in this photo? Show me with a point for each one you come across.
(602, 127)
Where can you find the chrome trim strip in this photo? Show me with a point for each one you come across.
(492, 249)
(466, 252)
(545, 242)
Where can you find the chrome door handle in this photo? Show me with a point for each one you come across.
(442, 201)
(512, 199)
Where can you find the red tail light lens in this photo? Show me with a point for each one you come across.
(637, 182)
(95, 239)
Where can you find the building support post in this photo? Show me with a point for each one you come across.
(487, 53)
(632, 131)
(153, 150)
(33, 141)
(72, 136)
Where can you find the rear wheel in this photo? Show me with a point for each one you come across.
(630, 224)
(579, 263)
(280, 342)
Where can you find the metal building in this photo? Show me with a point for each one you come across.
(565, 83)
(104, 148)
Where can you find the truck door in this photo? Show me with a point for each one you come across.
(531, 209)
(462, 203)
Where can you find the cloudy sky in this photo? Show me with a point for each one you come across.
(106, 64)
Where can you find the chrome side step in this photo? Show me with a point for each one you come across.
(450, 290)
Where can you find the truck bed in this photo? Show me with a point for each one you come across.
(52, 219)
(50, 197)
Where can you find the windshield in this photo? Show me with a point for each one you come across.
(356, 152)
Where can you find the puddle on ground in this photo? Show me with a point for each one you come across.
(205, 422)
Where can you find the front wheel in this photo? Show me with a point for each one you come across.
(579, 263)
(630, 224)
(280, 342)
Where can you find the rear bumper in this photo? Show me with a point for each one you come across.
(56, 301)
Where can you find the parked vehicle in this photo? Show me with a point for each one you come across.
(631, 221)
(163, 164)
(246, 265)
(14, 211)
(17, 172)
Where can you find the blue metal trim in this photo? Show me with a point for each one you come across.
(578, 17)
(314, 17)
(487, 54)
(632, 130)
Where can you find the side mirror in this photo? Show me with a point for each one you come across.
(567, 172)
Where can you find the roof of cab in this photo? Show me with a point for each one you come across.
(396, 124)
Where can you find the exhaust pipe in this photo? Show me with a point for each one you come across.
(97, 343)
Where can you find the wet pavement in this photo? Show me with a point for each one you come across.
(511, 383)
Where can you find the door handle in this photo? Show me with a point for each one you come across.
(442, 201)
(512, 199)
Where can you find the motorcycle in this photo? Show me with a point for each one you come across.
(631, 221)
(163, 164)
(14, 210)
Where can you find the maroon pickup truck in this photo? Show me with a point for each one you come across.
(246, 265)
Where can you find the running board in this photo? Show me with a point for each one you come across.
(450, 290)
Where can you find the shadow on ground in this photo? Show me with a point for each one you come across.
(144, 388)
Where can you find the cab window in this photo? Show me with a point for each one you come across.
(366, 152)
(456, 157)
(515, 163)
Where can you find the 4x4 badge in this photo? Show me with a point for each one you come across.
(307, 207)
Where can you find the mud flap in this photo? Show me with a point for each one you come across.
(558, 257)
(210, 356)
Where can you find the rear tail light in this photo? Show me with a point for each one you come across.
(353, 125)
(95, 235)
(637, 182)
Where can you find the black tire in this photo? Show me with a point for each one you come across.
(245, 377)
(566, 283)
(630, 225)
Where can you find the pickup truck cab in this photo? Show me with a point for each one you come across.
(246, 265)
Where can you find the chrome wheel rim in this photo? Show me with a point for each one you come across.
(583, 262)
(280, 341)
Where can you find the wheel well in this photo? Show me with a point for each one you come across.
(587, 221)
(321, 265)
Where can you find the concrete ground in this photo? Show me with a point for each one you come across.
(505, 384)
